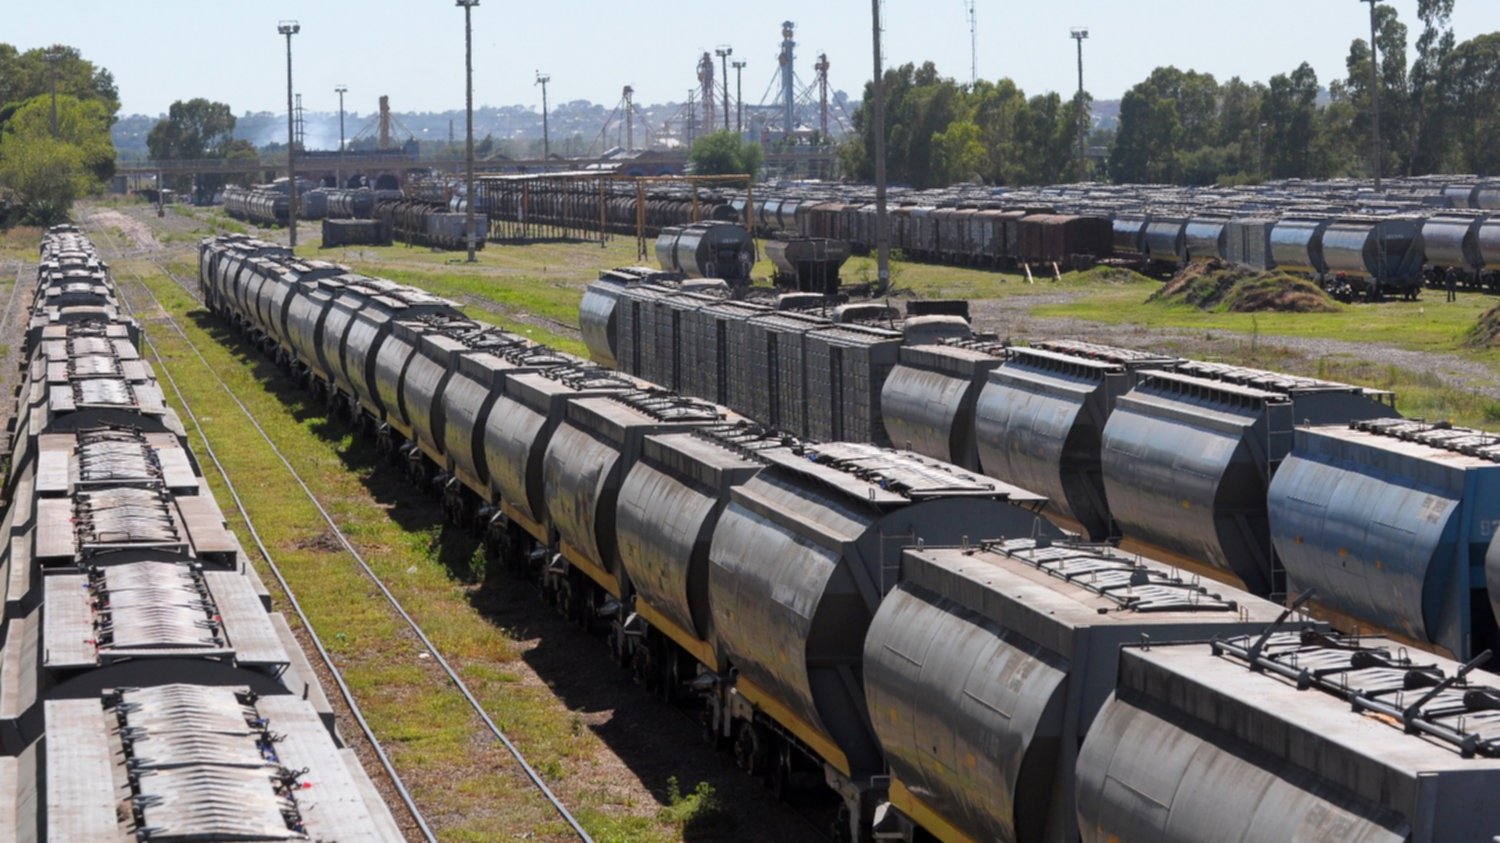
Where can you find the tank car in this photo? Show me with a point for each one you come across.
(354, 324)
(257, 205)
(714, 250)
(1388, 522)
(1129, 234)
(1292, 735)
(585, 466)
(517, 435)
(1187, 456)
(1297, 244)
(1039, 418)
(927, 402)
(350, 203)
(798, 565)
(1204, 238)
(214, 251)
(1164, 240)
(669, 504)
(1375, 256)
(597, 320)
(986, 665)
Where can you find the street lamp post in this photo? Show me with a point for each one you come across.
(290, 28)
(724, 52)
(542, 79)
(1260, 146)
(1374, 96)
(739, 98)
(1078, 34)
(468, 6)
(339, 170)
(882, 242)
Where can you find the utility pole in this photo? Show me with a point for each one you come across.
(542, 79)
(53, 56)
(724, 51)
(739, 98)
(692, 120)
(1079, 33)
(468, 7)
(339, 170)
(882, 241)
(290, 28)
(1375, 155)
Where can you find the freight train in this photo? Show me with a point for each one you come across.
(907, 633)
(1261, 479)
(425, 224)
(269, 206)
(147, 691)
(1341, 233)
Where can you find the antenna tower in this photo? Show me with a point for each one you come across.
(788, 79)
(706, 83)
(822, 68)
(973, 46)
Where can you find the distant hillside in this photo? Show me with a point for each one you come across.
(574, 127)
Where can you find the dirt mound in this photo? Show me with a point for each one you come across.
(1486, 332)
(1214, 285)
(1106, 274)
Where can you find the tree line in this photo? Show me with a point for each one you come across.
(1439, 114)
(42, 169)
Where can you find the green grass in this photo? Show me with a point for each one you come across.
(464, 782)
(1423, 325)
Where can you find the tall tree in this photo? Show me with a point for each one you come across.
(1289, 112)
(723, 154)
(1395, 92)
(47, 173)
(1471, 103)
(1434, 46)
(29, 74)
(197, 128)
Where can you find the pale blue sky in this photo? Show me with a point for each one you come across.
(412, 50)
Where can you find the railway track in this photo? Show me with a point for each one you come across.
(815, 816)
(348, 546)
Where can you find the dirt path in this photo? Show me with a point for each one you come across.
(137, 232)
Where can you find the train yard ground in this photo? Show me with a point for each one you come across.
(628, 767)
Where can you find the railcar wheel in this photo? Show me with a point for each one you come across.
(749, 749)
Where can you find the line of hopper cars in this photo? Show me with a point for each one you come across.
(270, 207)
(147, 691)
(1346, 237)
(413, 222)
(1276, 483)
(907, 633)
